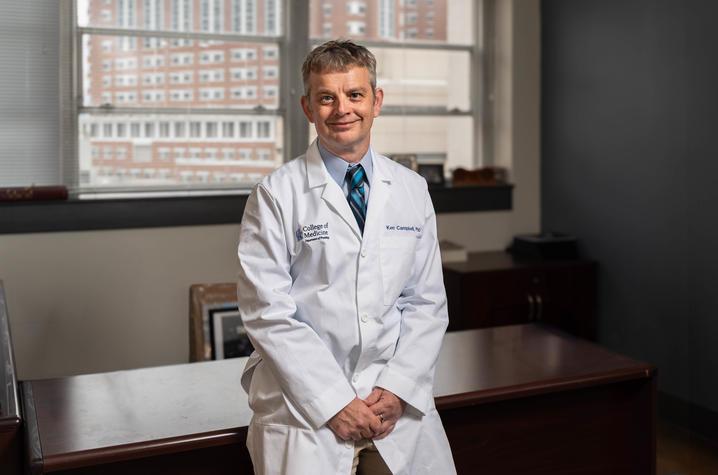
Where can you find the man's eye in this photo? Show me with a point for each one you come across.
(356, 95)
(325, 99)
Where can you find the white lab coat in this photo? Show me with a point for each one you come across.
(332, 315)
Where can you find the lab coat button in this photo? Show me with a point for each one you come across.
(349, 444)
(364, 318)
(363, 252)
(355, 378)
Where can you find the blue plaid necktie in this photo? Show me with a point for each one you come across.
(357, 197)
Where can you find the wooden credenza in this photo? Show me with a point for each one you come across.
(522, 399)
(494, 288)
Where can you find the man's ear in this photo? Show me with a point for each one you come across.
(378, 100)
(306, 107)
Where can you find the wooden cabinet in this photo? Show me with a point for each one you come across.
(494, 289)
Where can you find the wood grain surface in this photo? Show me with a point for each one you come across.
(487, 381)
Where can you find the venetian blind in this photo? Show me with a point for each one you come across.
(29, 93)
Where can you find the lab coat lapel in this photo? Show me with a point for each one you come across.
(332, 194)
(380, 190)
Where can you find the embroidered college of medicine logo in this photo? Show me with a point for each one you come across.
(312, 232)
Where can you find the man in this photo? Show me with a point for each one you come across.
(341, 292)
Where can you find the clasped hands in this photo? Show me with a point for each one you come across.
(370, 418)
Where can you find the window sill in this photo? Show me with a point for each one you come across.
(85, 215)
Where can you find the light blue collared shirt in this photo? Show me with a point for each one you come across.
(337, 168)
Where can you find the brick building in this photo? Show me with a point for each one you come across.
(161, 77)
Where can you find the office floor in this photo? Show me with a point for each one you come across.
(682, 453)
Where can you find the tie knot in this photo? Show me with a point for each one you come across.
(356, 176)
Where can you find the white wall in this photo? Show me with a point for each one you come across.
(94, 301)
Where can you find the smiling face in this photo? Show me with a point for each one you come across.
(342, 107)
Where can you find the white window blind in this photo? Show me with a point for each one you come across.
(29, 98)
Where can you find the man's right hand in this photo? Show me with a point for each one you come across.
(355, 422)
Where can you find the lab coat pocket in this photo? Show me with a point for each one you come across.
(397, 259)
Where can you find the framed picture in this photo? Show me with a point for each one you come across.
(228, 336)
(205, 299)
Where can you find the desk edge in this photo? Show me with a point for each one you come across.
(551, 386)
(149, 448)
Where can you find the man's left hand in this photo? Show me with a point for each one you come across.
(388, 407)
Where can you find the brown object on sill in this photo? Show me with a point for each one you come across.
(486, 176)
(33, 193)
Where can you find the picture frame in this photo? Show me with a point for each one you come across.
(228, 336)
(204, 299)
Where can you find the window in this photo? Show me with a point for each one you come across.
(270, 72)
(195, 129)
(211, 15)
(356, 8)
(189, 62)
(356, 28)
(271, 53)
(227, 129)
(264, 130)
(179, 129)
(245, 129)
(426, 57)
(270, 91)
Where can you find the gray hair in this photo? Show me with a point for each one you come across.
(338, 56)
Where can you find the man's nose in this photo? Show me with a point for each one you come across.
(342, 106)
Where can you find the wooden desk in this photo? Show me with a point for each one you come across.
(522, 399)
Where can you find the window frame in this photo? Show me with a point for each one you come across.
(294, 42)
(72, 98)
(142, 208)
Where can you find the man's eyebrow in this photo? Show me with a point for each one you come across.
(358, 89)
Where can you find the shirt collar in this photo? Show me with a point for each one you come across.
(337, 167)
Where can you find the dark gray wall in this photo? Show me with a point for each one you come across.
(629, 165)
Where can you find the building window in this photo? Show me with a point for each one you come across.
(180, 129)
(211, 16)
(356, 8)
(264, 130)
(356, 27)
(271, 53)
(245, 129)
(195, 129)
(227, 129)
(271, 17)
(270, 72)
